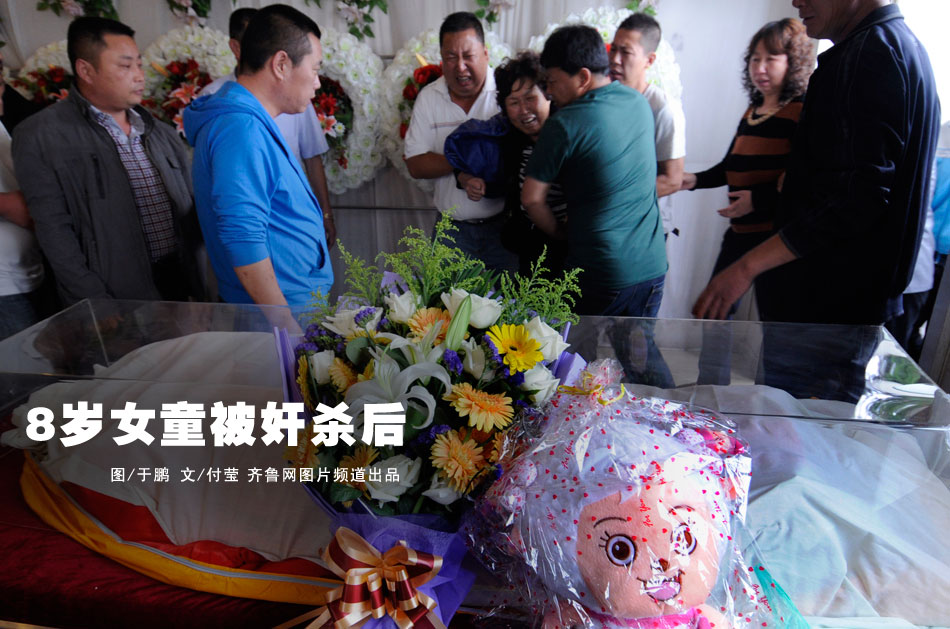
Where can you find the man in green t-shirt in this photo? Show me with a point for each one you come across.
(600, 147)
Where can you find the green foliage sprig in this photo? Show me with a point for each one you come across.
(201, 8)
(429, 265)
(362, 278)
(552, 299)
(489, 9)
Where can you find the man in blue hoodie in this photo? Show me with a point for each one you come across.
(261, 221)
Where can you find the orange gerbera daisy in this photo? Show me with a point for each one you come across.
(304, 454)
(362, 457)
(303, 381)
(459, 458)
(498, 447)
(421, 322)
(341, 375)
(485, 411)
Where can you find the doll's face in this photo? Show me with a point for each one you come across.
(652, 555)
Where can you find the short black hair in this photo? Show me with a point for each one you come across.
(525, 67)
(85, 38)
(272, 29)
(573, 47)
(238, 22)
(648, 28)
(461, 21)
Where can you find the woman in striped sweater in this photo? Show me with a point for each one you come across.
(778, 62)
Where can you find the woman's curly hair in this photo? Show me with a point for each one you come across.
(526, 66)
(783, 37)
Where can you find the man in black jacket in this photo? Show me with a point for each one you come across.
(106, 184)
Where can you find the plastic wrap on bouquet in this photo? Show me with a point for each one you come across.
(625, 513)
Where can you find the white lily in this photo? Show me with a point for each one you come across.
(440, 492)
(392, 384)
(343, 322)
(417, 350)
(401, 307)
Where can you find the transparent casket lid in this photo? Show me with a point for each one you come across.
(850, 485)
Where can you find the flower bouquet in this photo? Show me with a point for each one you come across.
(335, 113)
(46, 75)
(45, 86)
(413, 379)
(183, 81)
(348, 100)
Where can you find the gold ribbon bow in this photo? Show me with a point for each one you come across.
(375, 585)
(589, 388)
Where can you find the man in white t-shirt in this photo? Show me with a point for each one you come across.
(632, 52)
(466, 90)
(302, 131)
(21, 263)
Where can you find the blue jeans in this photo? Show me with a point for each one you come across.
(638, 300)
(18, 312)
(632, 341)
(482, 241)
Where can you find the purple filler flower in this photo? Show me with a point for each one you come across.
(306, 347)
(425, 438)
(494, 356)
(364, 315)
(453, 362)
(514, 379)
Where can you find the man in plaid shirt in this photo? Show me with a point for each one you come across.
(107, 185)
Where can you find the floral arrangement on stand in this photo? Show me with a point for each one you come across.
(76, 8)
(396, 109)
(46, 75)
(183, 81)
(191, 11)
(463, 352)
(347, 104)
(178, 64)
(421, 77)
(357, 15)
(665, 73)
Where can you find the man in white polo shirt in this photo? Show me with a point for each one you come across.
(632, 53)
(466, 90)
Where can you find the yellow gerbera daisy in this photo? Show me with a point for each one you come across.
(484, 410)
(421, 322)
(362, 457)
(341, 375)
(303, 377)
(459, 459)
(521, 351)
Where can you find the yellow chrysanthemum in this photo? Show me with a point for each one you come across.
(459, 459)
(520, 350)
(485, 411)
(368, 372)
(362, 457)
(303, 377)
(304, 454)
(421, 322)
(341, 375)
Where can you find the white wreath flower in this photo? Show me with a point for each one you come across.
(207, 46)
(404, 63)
(53, 54)
(664, 73)
(359, 70)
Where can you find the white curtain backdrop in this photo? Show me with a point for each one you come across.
(708, 37)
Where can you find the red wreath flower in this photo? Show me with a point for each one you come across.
(410, 92)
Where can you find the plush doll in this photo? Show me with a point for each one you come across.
(624, 510)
